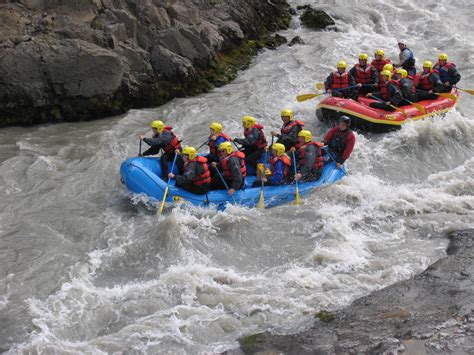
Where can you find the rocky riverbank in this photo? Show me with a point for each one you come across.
(73, 60)
(431, 313)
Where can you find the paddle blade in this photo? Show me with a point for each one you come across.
(306, 97)
(449, 96)
(297, 198)
(466, 90)
(163, 202)
(319, 86)
(419, 107)
(399, 110)
(260, 203)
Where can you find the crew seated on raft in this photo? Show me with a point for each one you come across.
(231, 170)
(280, 164)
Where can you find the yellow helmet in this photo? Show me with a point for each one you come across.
(428, 64)
(248, 121)
(443, 56)
(363, 56)
(306, 134)
(190, 152)
(158, 125)
(216, 127)
(388, 67)
(402, 72)
(287, 113)
(226, 146)
(380, 52)
(341, 64)
(386, 73)
(279, 148)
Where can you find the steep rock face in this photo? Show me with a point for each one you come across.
(71, 60)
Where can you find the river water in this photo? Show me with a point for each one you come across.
(86, 268)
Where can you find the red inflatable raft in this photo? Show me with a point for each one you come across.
(371, 119)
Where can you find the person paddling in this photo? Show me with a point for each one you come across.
(406, 85)
(388, 95)
(163, 138)
(448, 74)
(232, 166)
(216, 138)
(196, 177)
(365, 75)
(310, 157)
(341, 141)
(379, 61)
(254, 141)
(340, 82)
(288, 135)
(280, 164)
(428, 82)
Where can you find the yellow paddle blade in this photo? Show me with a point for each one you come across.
(305, 97)
(466, 90)
(260, 203)
(163, 202)
(450, 96)
(419, 107)
(297, 198)
(319, 86)
(399, 109)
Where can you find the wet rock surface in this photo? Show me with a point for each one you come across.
(65, 61)
(431, 313)
(314, 18)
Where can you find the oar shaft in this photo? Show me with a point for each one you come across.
(224, 182)
(202, 145)
(297, 197)
(343, 169)
(168, 184)
(140, 148)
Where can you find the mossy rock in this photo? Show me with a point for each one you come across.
(251, 342)
(316, 19)
(325, 316)
(96, 23)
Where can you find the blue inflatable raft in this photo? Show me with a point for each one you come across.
(143, 176)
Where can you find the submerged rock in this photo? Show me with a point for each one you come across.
(316, 19)
(296, 40)
(66, 61)
(431, 312)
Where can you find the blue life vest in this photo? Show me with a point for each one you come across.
(443, 71)
(410, 62)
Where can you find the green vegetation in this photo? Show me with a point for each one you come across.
(325, 316)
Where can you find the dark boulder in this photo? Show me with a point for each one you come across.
(296, 40)
(316, 19)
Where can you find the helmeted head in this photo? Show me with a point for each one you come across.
(225, 148)
(157, 125)
(379, 54)
(427, 65)
(386, 75)
(215, 127)
(248, 121)
(341, 66)
(304, 136)
(189, 153)
(402, 44)
(344, 122)
(278, 149)
(443, 58)
(402, 73)
(388, 67)
(286, 115)
(363, 58)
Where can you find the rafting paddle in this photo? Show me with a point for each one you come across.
(297, 197)
(470, 92)
(392, 106)
(306, 97)
(261, 199)
(343, 169)
(202, 145)
(225, 184)
(417, 106)
(140, 148)
(168, 184)
(442, 94)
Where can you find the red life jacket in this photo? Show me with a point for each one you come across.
(340, 81)
(262, 141)
(424, 80)
(212, 144)
(379, 64)
(286, 129)
(174, 143)
(225, 164)
(318, 164)
(286, 163)
(363, 75)
(205, 177)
